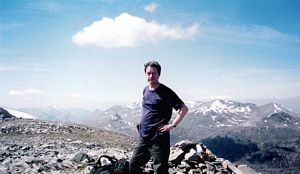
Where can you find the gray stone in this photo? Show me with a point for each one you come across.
(176, 156)
(246, 170)
(192, 156)
(199, 149)
(7, 161)
(209, 166)
(202, 166)
(217, 164)
(80, 156)
(4, 171)
(234, 169)
(225, 164)
(195, 171)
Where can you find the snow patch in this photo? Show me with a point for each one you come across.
(277, 108)
(20, 114)
(213, 117)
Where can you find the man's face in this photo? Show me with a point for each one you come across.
(152, 75)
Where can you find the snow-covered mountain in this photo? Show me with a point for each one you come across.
(118, 118)
(262, 114)
(265, 136)
(279, 120)
(19, 114)
(204, 118)
(220, 113)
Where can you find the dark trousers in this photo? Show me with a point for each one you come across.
(158, 148)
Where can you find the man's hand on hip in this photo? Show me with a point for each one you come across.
(166, 127)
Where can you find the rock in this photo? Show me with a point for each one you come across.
(80, 156)
(225, 164)
(246, 170)
(209, 166)
(7, 162)
(185, 145)
(176, 155)
(195, 171)
(199, 149)
(4, 171)
(233, 168)
(202, 166)
(220, 159)
(192, 156)
(199, 159)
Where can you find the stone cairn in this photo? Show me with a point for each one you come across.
(192, 158)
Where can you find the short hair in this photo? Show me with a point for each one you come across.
(153, 64)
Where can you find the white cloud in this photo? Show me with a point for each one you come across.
(25, 92)
(151, 8)
(126, 30)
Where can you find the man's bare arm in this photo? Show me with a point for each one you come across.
(180, 115)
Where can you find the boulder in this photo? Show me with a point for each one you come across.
(80, 156)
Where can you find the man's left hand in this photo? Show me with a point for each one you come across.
(166, 127)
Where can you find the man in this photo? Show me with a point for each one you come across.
(155, 126)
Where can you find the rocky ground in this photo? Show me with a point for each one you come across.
(35, 146)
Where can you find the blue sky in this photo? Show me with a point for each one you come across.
(91, 53)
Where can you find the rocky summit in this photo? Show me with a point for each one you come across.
(35, 146)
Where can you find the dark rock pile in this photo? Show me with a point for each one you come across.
(192, 158)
